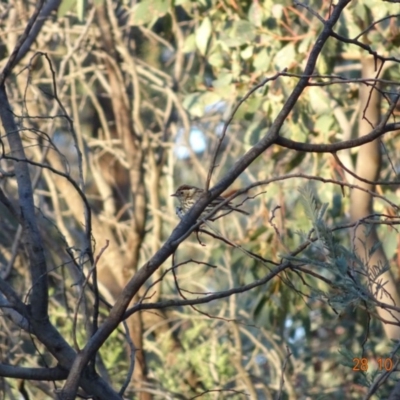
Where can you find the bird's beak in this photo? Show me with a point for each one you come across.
(173, 195)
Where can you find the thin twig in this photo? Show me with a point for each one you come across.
(288, 354)
(229, 121)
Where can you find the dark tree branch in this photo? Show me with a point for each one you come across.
(333, 147)
(46, 10)
(31, 235)
(365, 47)
(13, 59)
(206, 299)
(35, 374)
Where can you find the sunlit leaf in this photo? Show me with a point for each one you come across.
(216, 59)
(189, 44)
(277, 11)
(148, 10)
(192, 103)
(285, 57)
(196, 103)
(241, 32)
(319, 100)
(80, 9)
(224, 79)
(65, 6)
(262, 61)
(256, 13)
(203, 34)
(324, 124)
(247, 52)
(391, 242)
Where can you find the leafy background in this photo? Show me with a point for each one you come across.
(189, 63)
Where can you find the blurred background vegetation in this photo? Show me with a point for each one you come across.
(144, 89)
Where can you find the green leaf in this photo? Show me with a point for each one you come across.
(285, 56)
(390, 242)
(260, 230)
(255, 14)
(309, 203)
(260, 306)
(190, 44)
(360, 11)
(224, 79)
(247, 52)
(203, 35)
(262, 61)
(295, 161)
(253, 133)
(148, 10)
(324, 124)
(277, 11)
(216, 58)
(305, 44)
(193, 105)
(253, 104)
(322, 66)
(80, 9)
(241, 32)
(65, 6)
(245, 30)
(209, 98)
(319, 100)
(196, 103)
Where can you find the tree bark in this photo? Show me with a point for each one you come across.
(368, 167)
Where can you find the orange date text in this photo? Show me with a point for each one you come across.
(361, 364)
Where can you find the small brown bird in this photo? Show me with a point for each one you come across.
(188, 195)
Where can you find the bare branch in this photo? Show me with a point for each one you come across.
(36, 374)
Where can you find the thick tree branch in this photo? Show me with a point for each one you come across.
(36, 374)
(31, 235)
(13, 59)
(333, 147)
